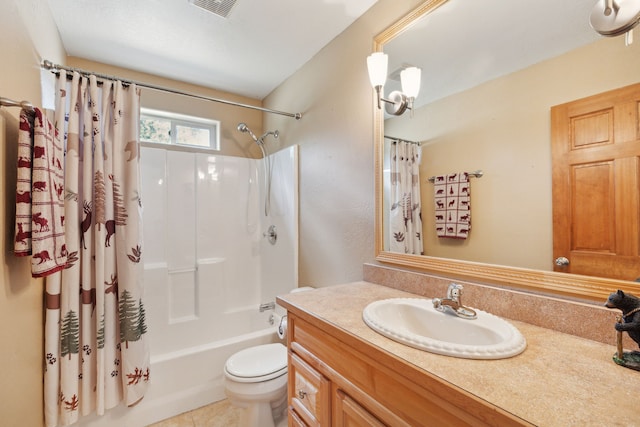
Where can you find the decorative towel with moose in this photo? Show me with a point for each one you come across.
(453, 205)
(39, 195)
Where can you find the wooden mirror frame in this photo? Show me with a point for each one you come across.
(548, 282)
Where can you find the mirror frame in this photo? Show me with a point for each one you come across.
(548, 282)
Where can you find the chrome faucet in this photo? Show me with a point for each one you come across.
(453, 303)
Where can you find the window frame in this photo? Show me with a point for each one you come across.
(177, 119)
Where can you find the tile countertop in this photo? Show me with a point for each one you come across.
(559, 380)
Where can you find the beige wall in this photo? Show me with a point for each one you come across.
(503, 127)
(336, 149)
(26, 34)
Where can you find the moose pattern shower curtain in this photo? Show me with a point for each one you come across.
(405, 217)
(96, 351)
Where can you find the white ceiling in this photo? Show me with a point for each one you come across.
(258, 46)
(465, 43)
(261, 43)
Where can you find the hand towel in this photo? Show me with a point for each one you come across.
(453, 205)
(22, 235)
(49, 252)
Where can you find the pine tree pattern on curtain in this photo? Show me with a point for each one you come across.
(405, 216)
(96, 350)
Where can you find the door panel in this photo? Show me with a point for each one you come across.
(592, 129)
(593, 207)
(596, 185)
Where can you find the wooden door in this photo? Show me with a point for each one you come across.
(596, 152)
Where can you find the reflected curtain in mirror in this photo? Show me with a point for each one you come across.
(405, 218)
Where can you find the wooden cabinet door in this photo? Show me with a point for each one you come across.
(349, 413)
(596, 152)
(308, 393)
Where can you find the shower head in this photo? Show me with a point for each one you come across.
(242, 127)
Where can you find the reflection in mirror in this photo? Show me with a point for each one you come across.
(481, 107)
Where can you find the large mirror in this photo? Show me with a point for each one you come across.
(491, 71)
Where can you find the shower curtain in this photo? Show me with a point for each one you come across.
(405, 218)
(96, 351)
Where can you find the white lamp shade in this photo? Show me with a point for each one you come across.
(410, 78)
(377, 63)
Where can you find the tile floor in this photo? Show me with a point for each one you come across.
(219, 414)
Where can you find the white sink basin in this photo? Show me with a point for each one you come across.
(415, 322)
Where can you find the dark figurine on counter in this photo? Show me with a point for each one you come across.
(629, 322)
(630, 306)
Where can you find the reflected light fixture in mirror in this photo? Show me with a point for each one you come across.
(398, 102)
(615, 17)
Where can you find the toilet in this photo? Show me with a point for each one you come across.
(256, 380)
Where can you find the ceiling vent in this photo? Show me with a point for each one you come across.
(395, 75)
(218, 7)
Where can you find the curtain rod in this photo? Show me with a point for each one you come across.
(54, 68)
(6, 102)
(400, 139)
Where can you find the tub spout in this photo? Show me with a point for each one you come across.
(267, 306)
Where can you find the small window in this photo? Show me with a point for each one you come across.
(161, 127)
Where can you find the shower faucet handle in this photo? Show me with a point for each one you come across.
(271, 234)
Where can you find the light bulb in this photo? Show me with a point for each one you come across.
(377, 64)
(410, 78)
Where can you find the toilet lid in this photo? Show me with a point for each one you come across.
(258, 361)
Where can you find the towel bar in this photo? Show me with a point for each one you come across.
(6, 102)
(475, 174)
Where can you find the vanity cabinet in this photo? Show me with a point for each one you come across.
(336, 379)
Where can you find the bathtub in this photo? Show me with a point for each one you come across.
(192, 377)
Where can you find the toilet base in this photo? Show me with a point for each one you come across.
(263, 404)
(263, 395)
(262, 414)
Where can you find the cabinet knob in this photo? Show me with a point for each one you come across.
(302, 394)
(561, 261)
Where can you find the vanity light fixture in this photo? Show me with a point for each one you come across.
(616, 17)
(398, 101)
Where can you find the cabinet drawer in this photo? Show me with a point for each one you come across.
(349, 413)
(308, 392)
(294, 420)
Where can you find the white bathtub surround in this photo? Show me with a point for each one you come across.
(209, 264)
(207, 270)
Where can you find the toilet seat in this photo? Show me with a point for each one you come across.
(257, 364)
